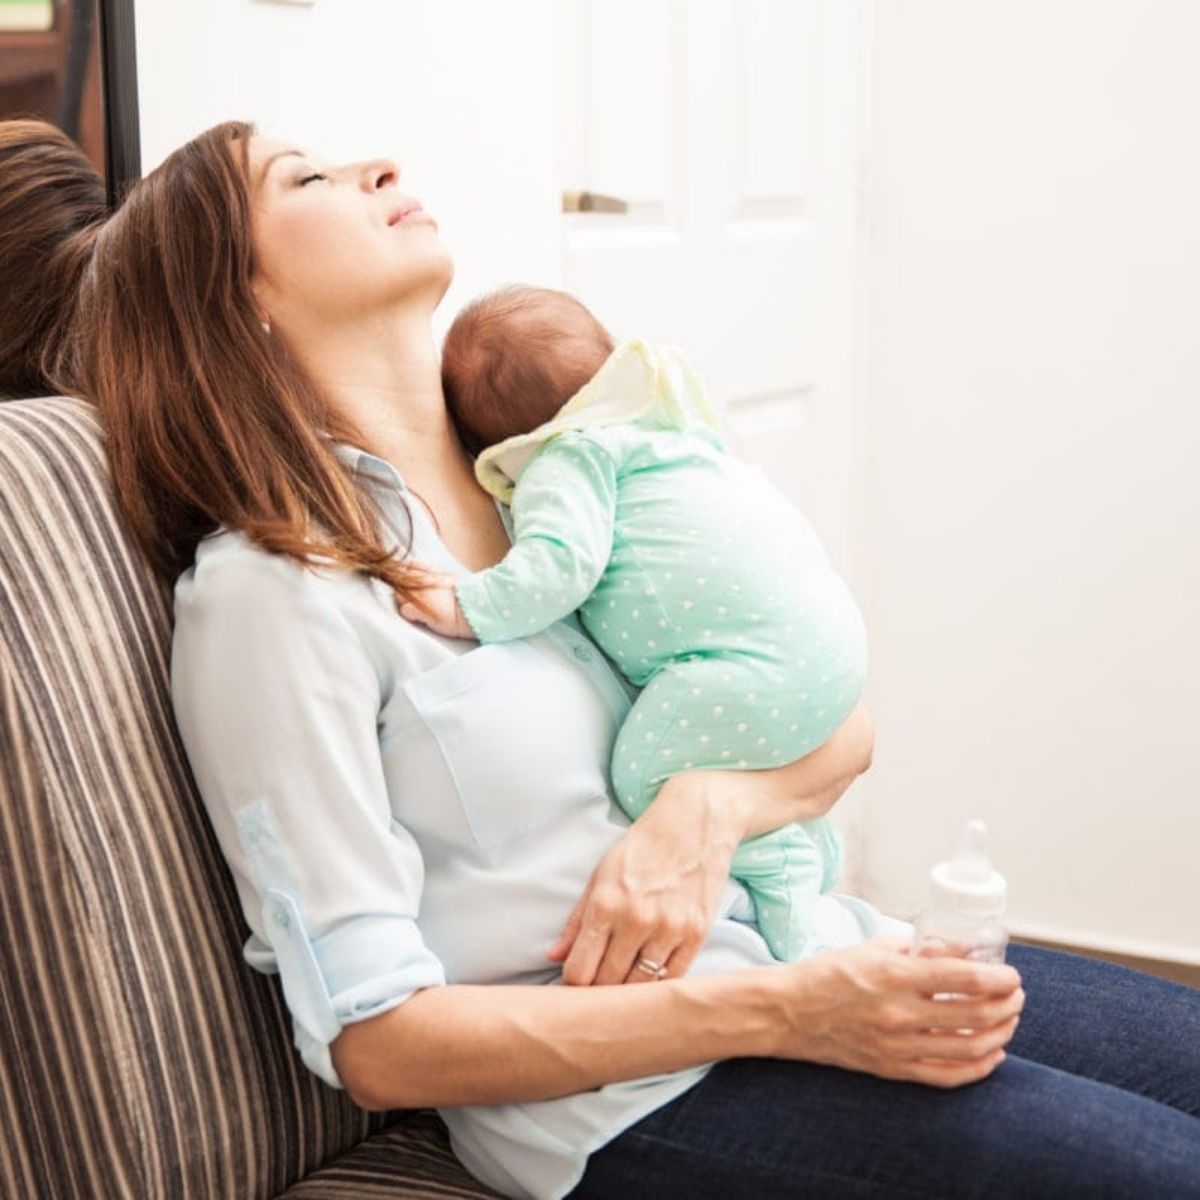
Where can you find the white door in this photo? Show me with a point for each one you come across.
(731, 128)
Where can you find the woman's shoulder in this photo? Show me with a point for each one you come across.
(239, 599)
(230, 568)
(232, 572)
(225, 555)
(244, 613)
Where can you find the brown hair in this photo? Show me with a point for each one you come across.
(514, 356)
(209, 419)
(52, 202)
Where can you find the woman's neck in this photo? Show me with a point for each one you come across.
(386, 378)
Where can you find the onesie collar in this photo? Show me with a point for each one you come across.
(635, 382)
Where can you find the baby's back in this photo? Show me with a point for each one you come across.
(710, 558)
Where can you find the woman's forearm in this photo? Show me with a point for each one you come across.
(470, 1044)
(753, 802)
(809, 787)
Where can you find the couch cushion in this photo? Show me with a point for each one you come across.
(139, 1055)
(416, 1150)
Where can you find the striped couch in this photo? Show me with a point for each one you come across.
(140, 1056)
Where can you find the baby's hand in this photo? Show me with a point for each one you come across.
(435, 603)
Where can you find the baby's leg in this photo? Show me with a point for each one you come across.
(784, 872)
(710, 713)
(695, 713)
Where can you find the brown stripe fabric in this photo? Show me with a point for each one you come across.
(416, 1150)
(140, 1056)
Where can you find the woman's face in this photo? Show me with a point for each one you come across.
(334, 243)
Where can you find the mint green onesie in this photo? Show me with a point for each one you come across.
(701, 582)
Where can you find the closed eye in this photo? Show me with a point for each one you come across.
(310, 178)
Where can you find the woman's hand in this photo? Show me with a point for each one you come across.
(436, 602)
(654, 894)
(869, 1007)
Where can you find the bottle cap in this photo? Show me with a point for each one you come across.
(968, 882)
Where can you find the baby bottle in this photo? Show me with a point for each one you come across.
(966, 916)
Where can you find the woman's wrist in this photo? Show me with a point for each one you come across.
(741, 804)
(721, 801)
(737, 1014)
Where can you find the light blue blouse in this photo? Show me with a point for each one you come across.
(402, 811)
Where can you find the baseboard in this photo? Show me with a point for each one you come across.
(1185, 973)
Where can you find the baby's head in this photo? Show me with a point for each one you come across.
(513, 357)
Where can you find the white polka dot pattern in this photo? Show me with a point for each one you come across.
(709, 590)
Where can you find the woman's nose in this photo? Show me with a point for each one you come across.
(379, 173)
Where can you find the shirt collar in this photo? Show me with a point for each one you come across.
(364, 463)
(370, 466)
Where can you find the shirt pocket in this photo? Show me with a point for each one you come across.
(525, 736)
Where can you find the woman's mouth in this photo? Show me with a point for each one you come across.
(409, 211)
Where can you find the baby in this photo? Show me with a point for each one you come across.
(701, 582)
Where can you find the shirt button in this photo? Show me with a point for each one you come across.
(582, 653)
(281, 919)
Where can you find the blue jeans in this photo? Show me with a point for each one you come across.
(1099, 1097)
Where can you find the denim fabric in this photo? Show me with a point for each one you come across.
(1099, 1097)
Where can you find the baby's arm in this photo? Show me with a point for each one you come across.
(563, 510)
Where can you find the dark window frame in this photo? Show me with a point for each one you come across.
(122, 131)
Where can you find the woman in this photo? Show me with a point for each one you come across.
(51, 203)
(420, 829)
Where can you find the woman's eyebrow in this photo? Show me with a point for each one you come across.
(262, 175)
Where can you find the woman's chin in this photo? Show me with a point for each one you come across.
(441, 279)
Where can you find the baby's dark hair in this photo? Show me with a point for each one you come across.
(514, 356)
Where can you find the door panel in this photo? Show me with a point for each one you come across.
(731, 131)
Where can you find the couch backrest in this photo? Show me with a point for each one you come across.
(139, 1055)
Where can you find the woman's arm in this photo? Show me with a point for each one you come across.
(866, 1007)
(663, 880)
(758, 801)
(469, 1044)
(277, 702)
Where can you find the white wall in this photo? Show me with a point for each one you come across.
(1026, 548)
(1030, 536)
(459, 92)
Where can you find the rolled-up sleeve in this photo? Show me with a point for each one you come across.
(277, 704)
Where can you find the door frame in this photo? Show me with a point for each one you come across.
(122, 134)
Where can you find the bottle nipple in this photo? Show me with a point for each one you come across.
(970, 863)
(968, 881)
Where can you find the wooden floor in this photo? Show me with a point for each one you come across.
(1179, 972)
